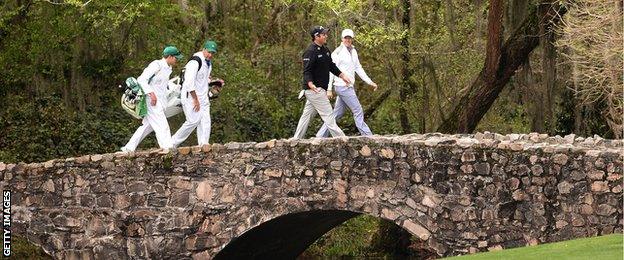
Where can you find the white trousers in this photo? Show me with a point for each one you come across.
(347, 98)
(317, 103)
(194, 119)
(154, 121)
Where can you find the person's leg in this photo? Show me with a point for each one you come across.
(308, 113)
(203, 130)
(324, 109)
(338, 112)
(351, 101)
(192, 120)
(137, 137)
(158, 121)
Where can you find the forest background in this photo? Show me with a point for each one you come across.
(451, 66)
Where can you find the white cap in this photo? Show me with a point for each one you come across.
(347, 32)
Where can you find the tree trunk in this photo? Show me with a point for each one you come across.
(424, 111)
(528, 93)
(435, 82)
(184, 7)
(493, 46)
(77, 83)
(450, 23)
(478, 99)
(549, 63)
(516, 13)
(406, 70)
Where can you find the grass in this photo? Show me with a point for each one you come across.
(22, 249)
(603, 247)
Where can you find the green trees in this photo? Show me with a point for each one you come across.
(426, 55)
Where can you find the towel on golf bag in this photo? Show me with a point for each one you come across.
(134, 100)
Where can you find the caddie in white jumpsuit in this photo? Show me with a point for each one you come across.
(346, 58)
(154, 80)
(195, 102)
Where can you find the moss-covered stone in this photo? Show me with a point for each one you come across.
(22, 249)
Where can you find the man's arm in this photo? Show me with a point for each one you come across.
(336, 71)
(143, 80)
(145, 76)
(330, 85)
(308, 62)
(190, 72)
(334, 56)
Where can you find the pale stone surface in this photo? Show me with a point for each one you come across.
(49, 186)
(416, 229)
(365, 151)
(205, 191)
(386, 153)
(273, 173)
(560, 159)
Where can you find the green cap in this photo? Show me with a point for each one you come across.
(210, 46)
(173, 51)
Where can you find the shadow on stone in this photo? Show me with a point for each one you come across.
(285, 237)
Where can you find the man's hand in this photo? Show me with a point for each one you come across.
(374, 85)
(345, 78)
(330, 94)
(196, 105)
(312, 87)
(153, 98)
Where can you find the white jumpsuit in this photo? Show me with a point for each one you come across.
(155, 120)
(197, 81)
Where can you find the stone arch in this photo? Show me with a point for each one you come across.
(287, 236)
(284, 237)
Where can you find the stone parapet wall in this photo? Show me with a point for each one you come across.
(458, 193)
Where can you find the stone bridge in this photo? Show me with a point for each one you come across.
(457, 193)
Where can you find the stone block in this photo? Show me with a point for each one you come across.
(564, 187)
(184, 150)
(386, 153)
(48, 186)
(416, 229)
(389, 214)
(560, 159)
(482, 168)
(205, 192)
(596, 175)
(605, 210)
(96, 158)
(336, 165)
(104, 201)
(179, 199)
(600, 186)
(513, 183)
